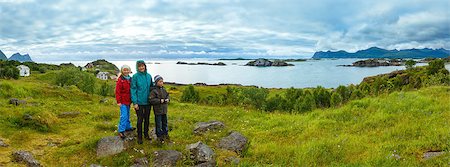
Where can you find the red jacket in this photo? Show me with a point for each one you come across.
(123, 93)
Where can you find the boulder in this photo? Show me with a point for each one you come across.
(203, 127)
(140, 162)
(25, 157)
(431, 154)
(166, 158)
(70, 114)
(234, 142)
(16, 101)
(112, 145)
(201, 154)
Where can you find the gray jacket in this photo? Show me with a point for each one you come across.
(156, 94)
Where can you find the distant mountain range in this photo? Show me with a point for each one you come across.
(375, 52)
(3, 56)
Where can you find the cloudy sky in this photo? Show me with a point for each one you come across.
(76, 29)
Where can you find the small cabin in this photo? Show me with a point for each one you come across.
(24, 71)
(103, 75)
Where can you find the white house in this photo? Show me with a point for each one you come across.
(24, 71)
(103, 75)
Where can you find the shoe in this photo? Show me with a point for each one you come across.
(122, 135)
(132, 129)
(166, 138)
(139, 141)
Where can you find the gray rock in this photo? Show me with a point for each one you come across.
(166, 158)
(140, 162)
(104, 100)
(70, 114)
(396, 156)
(206, 164)
(27, 117)
(3, 144)
(203, 127)
(25, 157)
(112, 145)
(201, 153)
(16, 101)
(95, 165)
(235, 142)
(432, 154)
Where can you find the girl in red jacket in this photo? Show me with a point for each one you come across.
(123, 97)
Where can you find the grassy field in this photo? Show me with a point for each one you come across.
(373, 131)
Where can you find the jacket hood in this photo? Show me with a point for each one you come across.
(137, 66)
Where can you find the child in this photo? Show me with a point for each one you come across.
(123, 98)
(159, 98)
(140, 89)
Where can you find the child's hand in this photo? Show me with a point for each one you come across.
(119, 104)
(162, 101)
(136, 107)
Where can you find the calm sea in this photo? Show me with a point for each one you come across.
(311, 73)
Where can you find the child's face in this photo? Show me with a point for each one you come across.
(160, 83)
(141, 67)
(126, 71)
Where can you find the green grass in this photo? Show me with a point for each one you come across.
(363, 132)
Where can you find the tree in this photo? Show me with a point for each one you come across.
(410, 64)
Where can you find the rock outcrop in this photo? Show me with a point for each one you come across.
(201, 154)
(166, 158)
(203, 127)
(25, 157)
(234, 142)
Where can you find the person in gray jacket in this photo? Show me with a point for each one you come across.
(159, 98)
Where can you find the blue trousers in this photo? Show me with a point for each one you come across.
(161, 125)
(124, 122)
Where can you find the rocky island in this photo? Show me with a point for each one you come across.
(267, 63)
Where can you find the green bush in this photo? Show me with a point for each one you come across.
(336, 99)
(435, 66)
(72, 76)
(190, 95)
(322, 97)
(106, 89)
(8, 70)
(275, 103)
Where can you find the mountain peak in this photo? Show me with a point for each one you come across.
(376, 52)
(21, 58)
(3, 56)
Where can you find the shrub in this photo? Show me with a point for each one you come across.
(275, 103)
(435, 66)
(410, 64)
(72, 76)
(336, 99)
(190, 95)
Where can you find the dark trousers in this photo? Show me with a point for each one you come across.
(143, 115)
(161, 125)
